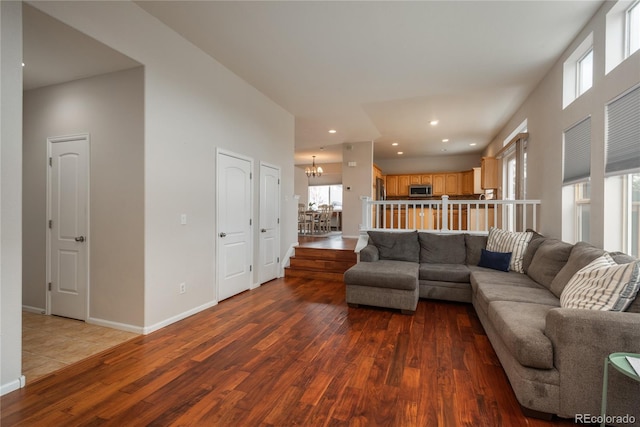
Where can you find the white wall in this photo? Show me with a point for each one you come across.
(356, 182)
(453, 163)
(110, 108)
(10, 196)
(193, 105)
(547, 122)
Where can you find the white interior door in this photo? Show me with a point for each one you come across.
(233, 225)
(269, 222)
(69, 225)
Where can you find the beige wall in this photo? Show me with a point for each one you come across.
(451, 163)
(356, 182)
(193, 105)
(547, 121)
(110, 108)
(11, 194)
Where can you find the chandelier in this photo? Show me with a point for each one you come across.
(314, 170)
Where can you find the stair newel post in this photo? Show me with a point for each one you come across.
(366, 213)
(445, 213)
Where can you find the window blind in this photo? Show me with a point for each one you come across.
(623, 134)
(577, 152)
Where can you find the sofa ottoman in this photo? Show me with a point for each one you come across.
(385, 283)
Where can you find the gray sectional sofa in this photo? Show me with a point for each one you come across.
(553, 356)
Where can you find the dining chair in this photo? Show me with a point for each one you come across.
(304, 223)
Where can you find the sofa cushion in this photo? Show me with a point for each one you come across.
(485, 275)
(521, 326)
(551, 256)
(489, 292)
(581, 255)
(369, 254)
(495, 260)
(442, 248)
(444, 272)
(474, 245)
(384, 274)
(396, 246)
(532, 247)
(506, 241)
(603, 285)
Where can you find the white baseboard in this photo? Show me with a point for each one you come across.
(36, 310)
(116, 325)
(254, 286)
(13, 385)
(287, 257)
(177, 318)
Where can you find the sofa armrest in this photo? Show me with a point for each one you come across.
(369, 254)
(581, 340)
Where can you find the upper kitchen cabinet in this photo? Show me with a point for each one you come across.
(489, 172)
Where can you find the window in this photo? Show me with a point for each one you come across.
(622, 169)
(578, 72)
(632, 26)
(514, 162)
(583, 211)
(622, 32)
(584, 76)
(325, 195)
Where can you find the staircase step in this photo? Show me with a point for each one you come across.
(313, 275)
(326, 254)
(336, 266)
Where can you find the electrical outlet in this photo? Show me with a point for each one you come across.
(183, 287)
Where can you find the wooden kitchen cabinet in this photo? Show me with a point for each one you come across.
(489, 173)
(426, 179)
(403, 185)
(392, 185)
(438, 184)
(451, 185)
(466, 187)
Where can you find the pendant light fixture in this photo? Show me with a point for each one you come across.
(314, 170)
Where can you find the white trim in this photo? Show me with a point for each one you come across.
(115, 325)
(13, 385)
(36, 310)
(287, 257)
(52, 140)
(149, 329)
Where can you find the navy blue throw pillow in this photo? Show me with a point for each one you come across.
(495, 260)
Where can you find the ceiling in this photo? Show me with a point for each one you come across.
(381, 70)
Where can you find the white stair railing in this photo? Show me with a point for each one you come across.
(449, 216)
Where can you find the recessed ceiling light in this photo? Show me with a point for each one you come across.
(444, 149)
(400, 152)
(445, 140)
(395, 144)
(473, 144)
(23, 64)
(433, 122)
(332, 131)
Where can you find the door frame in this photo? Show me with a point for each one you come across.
(279, 228)
(50, 141)
(223, 152)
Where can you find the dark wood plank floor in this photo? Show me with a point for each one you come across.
(288, 353)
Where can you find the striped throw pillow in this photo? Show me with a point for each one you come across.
(507, 241)
(603, 285)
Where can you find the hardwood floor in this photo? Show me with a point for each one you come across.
(288, 353)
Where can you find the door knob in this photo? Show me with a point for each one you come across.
(264, 230)
(223, 234)
(79, 239)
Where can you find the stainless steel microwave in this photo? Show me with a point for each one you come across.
(420, 190)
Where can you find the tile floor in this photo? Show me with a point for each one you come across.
(50, 343)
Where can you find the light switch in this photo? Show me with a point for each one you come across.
(183, 219)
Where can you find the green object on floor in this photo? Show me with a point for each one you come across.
(621, 364)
